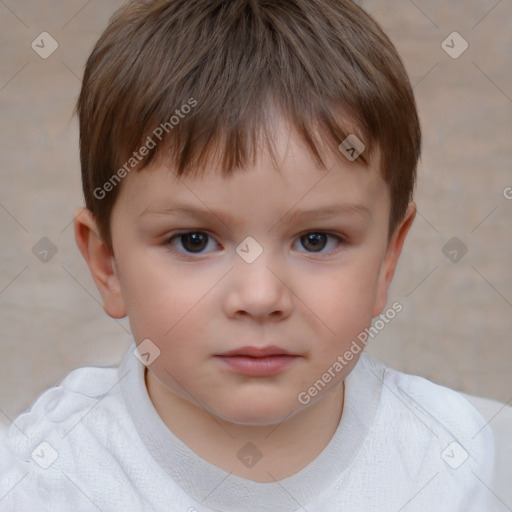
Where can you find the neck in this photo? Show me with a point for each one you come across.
(255, 452)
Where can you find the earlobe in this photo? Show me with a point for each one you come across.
(390, 261)
(100, 262)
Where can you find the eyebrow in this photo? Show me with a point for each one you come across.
(290, 217)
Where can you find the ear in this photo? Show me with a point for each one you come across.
(393, 251)
(101, 263)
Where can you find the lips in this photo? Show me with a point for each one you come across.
(257, 362)
(251, 351)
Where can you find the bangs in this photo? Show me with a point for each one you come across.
(199, 141)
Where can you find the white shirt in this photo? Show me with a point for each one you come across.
(95, 442)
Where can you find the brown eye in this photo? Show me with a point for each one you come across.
(192, 242)
(316, 241)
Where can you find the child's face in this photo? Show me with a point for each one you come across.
(196, 297)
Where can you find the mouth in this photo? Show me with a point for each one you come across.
(257, 362)
(250, 351)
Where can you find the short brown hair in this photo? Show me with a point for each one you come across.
(229, 62)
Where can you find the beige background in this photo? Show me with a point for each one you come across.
(457, 318)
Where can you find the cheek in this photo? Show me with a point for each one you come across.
(343, 298)
(163, 301)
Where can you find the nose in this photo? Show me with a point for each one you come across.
(259, 290)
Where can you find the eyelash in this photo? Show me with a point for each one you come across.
(168, 242)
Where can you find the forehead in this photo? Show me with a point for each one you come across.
(286, 175)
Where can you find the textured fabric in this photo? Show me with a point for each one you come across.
(499, 417)
(96, 442)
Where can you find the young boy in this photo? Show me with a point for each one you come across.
(248, 169)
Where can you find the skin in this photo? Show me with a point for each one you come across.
(311, 300)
